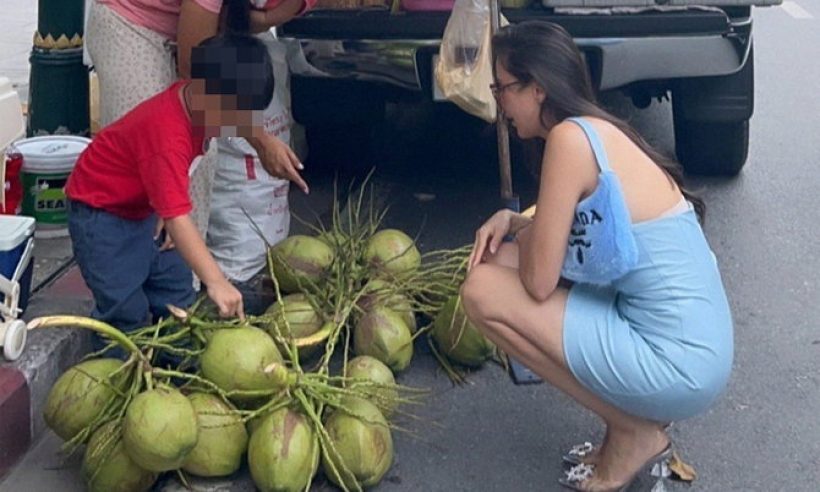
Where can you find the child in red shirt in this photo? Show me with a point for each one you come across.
(135, 174)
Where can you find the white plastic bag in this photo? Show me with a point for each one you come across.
(242, 186)
(464, 71)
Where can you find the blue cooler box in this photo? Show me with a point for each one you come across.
(16, 232)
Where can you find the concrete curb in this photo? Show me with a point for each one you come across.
(24, 384)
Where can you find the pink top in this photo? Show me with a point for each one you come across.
(157, 15)
(272, 4)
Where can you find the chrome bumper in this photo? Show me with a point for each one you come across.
(624, 60)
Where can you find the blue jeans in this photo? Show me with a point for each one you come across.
(131, 279)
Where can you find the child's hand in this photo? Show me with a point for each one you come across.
(227, 299)
(168, 242)
(279, 160)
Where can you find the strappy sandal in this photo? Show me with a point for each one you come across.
(577, 453)
(582, 472)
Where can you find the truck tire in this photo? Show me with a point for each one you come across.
(711, 116)
(711, 149)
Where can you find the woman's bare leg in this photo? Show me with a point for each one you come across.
(532, 332)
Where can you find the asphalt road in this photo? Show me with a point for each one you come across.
(763, 435)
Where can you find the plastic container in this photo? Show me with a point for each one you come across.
(427, 5)
(47, 164)
(16, 233)
(12, 187)
(58, 93)
(12, 127)
(12, 124)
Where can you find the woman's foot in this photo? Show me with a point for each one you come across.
(586, 453)
(627, 453)
(589, 453)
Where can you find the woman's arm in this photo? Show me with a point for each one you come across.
(196, 24)
(262, 20)
(518, 223)
(567, 172)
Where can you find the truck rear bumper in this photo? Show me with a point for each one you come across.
(624, 49)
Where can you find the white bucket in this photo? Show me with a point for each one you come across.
(47, 163)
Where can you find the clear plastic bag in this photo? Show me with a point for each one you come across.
(464, 71)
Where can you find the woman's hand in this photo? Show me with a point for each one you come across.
(279, 160)
(489, 236)
(264, 19)
(227, 299)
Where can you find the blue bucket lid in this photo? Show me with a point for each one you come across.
(14, 229)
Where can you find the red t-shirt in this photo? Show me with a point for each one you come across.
(139, 164)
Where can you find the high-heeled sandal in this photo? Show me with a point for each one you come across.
(576, 454)
(582, 472)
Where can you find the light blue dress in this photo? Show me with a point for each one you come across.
(657, 341)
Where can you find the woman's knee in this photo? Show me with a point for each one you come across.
(506, 256)
(477, 292)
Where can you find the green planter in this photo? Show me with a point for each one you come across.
(59, 24)
(58, 93)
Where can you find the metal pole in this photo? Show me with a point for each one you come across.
(519, 373)
(502, 131)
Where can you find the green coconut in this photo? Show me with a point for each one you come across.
(308, 258)
(160, 429)
(378, 291)
(222, 438)
(235, 359)
(361, 437)
(108, 468)
(370, 369)
(255, 422)
(283, 453)
(381, 333)
(393, 252)
(458, 338)
(302, 320)
(79, 396)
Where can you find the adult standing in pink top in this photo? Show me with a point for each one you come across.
(140, 47)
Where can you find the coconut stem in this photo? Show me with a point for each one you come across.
(452, 373)
(64, 321)
(326, 443)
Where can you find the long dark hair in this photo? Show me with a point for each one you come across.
(237, 17)
(544, 53)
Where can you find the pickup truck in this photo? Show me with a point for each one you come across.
(700, 52)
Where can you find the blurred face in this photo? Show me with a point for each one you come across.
(521, 104)
(216, 115)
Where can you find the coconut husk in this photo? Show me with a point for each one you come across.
(107, 467)
(283, 453)
(79, 396)
(222, 438)
(160, 429)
